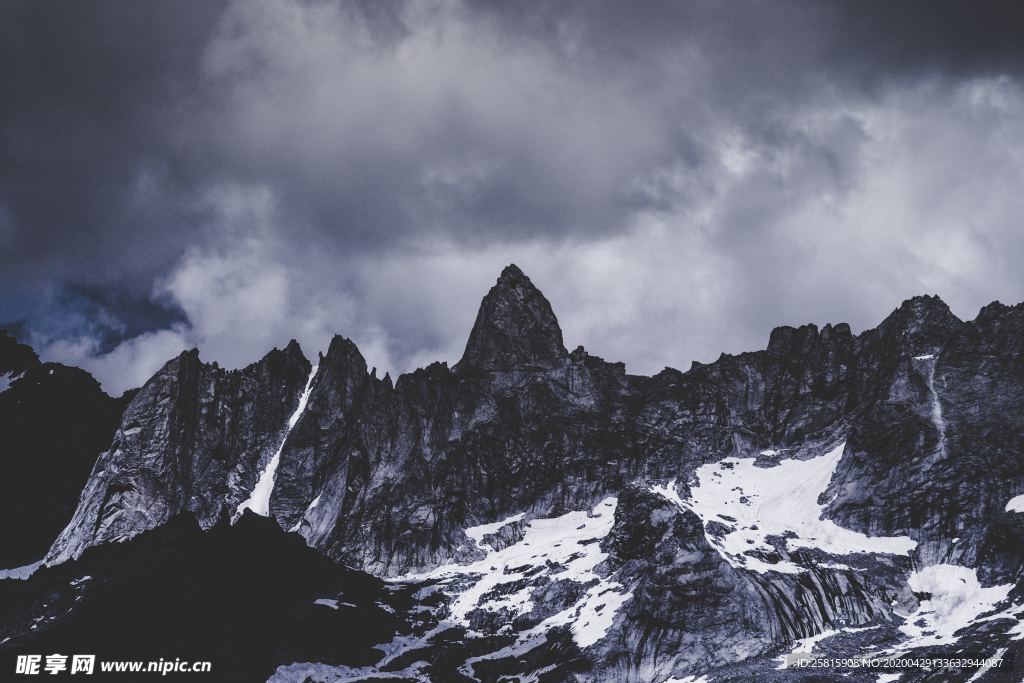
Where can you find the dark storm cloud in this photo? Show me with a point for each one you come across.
(298, 168)
(90, 98)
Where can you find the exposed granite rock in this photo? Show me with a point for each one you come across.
(194, 439)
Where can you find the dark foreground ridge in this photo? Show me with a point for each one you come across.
(243, 597)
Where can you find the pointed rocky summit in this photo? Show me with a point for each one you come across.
(515, 328)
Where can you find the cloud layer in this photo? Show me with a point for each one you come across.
(678, 178)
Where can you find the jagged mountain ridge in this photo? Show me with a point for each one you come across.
(807, 385)
(389, 476)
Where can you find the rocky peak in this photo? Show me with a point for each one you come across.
(343, 355)
(293, 350)
(788, 341)
(921, 325)
(997, 315)
(341, 374)
(515, 328)
(922, 315)
(996, 325)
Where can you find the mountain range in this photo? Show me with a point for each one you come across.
(530, 513)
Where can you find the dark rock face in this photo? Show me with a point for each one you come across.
(940, 455)
(54, 422)
(515, 328)
(388, 477)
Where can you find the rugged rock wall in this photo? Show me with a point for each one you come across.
(195, 438)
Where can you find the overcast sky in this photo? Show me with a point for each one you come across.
(678, 178)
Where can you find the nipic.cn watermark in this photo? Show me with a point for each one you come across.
(86, 665)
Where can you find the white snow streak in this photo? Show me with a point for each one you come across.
(312, 506)
(937, 419)
(754, 503)
(984, 669)
(259, 499)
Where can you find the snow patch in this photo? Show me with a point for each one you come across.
(1015, 504)
(754, 503)
(259, 500)
(326, 602)
(591, 618)
(957, 599)
(558, 548)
